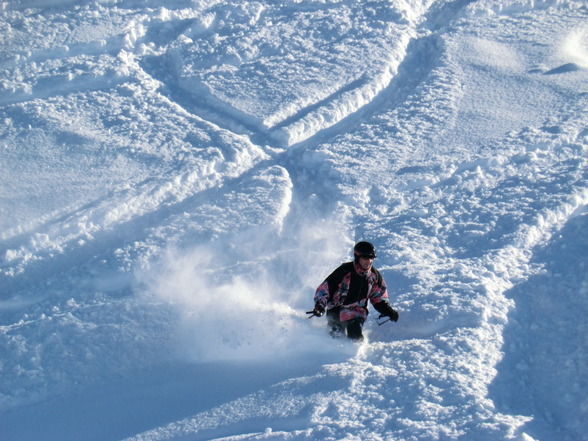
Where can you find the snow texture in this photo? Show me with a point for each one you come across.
(176, 178)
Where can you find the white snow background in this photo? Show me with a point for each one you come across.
(177, 177)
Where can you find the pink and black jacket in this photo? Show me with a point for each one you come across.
(349, 287)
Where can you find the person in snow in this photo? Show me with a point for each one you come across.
(345, 293)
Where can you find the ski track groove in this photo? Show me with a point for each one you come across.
(130, 40)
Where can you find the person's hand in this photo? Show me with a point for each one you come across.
(318, 311)
(391, 313)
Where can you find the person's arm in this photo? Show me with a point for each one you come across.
(379, 299)
(326, 290)
(321, 298)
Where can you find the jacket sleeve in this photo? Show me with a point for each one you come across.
(321, 296)
(326, 290)
(379, 292)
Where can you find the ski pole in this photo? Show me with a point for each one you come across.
(388, 319)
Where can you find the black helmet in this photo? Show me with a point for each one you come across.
(364, 249)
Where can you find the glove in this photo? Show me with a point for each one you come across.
(393, 314)
(386, 310)
(318, 311)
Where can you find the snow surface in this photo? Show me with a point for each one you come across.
(177, 177)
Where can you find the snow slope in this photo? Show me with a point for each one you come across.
(177, 177)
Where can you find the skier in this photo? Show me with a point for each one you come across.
(344, 294)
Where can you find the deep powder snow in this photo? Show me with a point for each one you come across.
(177, 177)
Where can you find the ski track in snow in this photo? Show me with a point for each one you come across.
(177, 178)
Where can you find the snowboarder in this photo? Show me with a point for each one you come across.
(344, 294)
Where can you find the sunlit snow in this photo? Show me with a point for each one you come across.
(176, 179)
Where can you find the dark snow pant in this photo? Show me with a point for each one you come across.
(339, 328)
